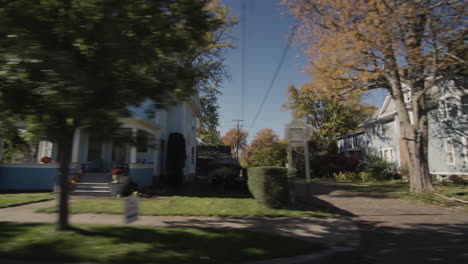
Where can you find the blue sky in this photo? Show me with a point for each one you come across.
(267, 33)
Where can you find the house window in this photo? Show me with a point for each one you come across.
(464, 104)
(387, 154)
(383, 130)
(449, 152)
(407, 97)
(443, 109)
(355, 142)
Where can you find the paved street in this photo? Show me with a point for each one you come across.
(396, 231)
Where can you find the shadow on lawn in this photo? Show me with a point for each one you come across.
(117, 244)
(202, 188)
(371, 191)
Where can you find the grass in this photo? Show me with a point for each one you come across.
(15, 199)
(190, 206)
(401, 190)
(123, 244)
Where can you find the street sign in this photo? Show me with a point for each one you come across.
(131, 209)
(297, 135)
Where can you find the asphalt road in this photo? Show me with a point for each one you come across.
(396, 231)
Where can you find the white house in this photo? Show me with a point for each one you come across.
(145, 159)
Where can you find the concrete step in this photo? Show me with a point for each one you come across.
(91, 189)
(96, 178)
(85, 187)
(90, 192)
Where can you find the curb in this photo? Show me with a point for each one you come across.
(303, 259)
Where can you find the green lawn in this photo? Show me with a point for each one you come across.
(399, 189)
(194, 206)
(15, 199)
(123, 244)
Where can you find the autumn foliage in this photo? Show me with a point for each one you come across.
(393, 44)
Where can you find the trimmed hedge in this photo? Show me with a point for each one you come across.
(269, 186)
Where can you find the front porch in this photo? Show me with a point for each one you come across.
(139, 152)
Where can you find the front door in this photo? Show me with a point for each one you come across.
(95, 162)
(119, 153)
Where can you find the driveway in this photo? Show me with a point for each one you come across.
(397, 231)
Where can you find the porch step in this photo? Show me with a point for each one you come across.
(96, 178)
(91, 193)
(92, 186)
(91, 189)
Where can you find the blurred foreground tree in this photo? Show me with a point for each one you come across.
(81, 63)
(267, 150)
(405, 47)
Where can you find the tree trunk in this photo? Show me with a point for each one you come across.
(416, 148)
(64, 155)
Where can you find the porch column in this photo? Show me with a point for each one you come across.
(156, 161)
(133, 148)
(1, 149)
(76, 146)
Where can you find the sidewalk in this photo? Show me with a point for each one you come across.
(338, 233)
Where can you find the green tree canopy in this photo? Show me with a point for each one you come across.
(75, 63)
(207, 129)
(330, 115)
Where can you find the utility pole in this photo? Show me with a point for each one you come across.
(237, 136)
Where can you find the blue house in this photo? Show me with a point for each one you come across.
(145, 159)
(448, 130)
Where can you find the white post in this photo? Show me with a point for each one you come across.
(133, 148)
(76, 146)
(306, 160)
(307, 167)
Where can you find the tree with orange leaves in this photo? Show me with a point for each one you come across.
(235, 138)
(394, 44)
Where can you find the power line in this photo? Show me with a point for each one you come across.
(278, 68)
(244, 40)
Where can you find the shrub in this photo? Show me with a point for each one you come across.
(269, 186)
(364, 176)
(459, 180)
(130, 188)
(378, 169)
(346, 176)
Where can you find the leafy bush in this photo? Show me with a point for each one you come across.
(346, 176)
(378, 169)
(269, 186)
(130, 188)
(404, 172)
(352, 176)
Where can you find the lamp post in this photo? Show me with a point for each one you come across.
(297, 135)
